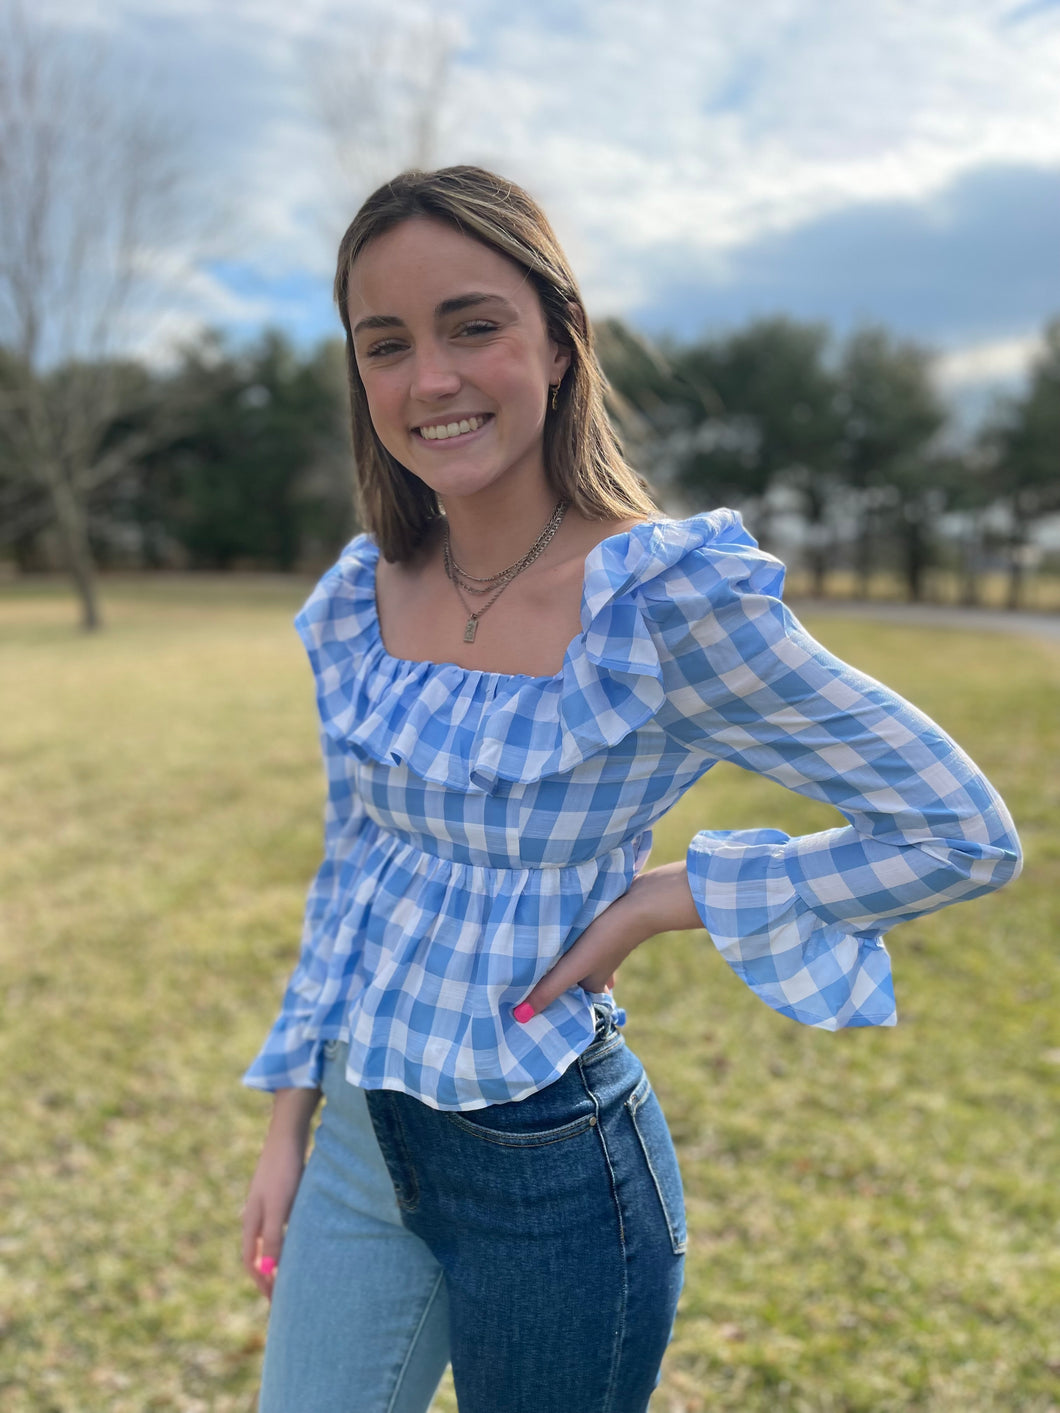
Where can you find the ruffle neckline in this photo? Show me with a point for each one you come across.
(500, 726)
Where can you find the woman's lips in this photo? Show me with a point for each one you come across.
(456, 429)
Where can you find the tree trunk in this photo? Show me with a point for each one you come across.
(1017, 544)
(820, 574)
(817, 534)
(73, 535)
(971, 554)
(1014, 598)
(915, 560)
(864, 547)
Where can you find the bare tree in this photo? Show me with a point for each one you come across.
(88, 188)
(381, 94)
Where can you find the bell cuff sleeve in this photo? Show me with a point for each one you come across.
(800, 920)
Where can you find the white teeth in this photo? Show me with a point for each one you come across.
(441, 431)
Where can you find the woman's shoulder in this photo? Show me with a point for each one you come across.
(668, 561)
(342, 602)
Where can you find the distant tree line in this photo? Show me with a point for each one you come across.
(238, 458)
(855, 442)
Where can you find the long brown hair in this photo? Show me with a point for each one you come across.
(583, 460)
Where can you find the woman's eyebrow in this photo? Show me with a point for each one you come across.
(447, 306)
(379, 321)
(469, 301)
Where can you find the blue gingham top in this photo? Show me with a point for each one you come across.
(476, 822)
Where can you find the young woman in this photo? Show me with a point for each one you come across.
(519, 668)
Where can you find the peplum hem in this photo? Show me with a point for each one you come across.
(426, 960)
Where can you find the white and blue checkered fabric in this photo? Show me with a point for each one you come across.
(477, 822)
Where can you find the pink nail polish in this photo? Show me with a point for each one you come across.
(267, 1265)
(523, 1012)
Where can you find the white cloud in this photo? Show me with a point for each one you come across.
(827, 105)
(685, 123)
(996, 361)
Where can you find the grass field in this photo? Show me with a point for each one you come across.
(874, 1215)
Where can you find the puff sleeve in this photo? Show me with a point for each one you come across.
(800, 920)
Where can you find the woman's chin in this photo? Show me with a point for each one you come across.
(459, 481)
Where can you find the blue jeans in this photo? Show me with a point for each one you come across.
(559, 1224)
(359, 1320)
(550, 1250)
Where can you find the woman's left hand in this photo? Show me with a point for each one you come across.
(657, 901)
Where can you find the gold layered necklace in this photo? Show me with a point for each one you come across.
(494, 584)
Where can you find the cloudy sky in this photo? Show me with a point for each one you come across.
(704, 161)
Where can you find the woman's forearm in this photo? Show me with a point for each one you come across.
(292, 1113)
(662, 900)
(658, 900)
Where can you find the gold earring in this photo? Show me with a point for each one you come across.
(555, 396)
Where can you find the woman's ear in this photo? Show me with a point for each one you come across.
(563, 353)
(561, 361)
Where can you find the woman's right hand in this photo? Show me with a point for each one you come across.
(274, 1184)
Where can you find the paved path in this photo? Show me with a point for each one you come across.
(991, 620)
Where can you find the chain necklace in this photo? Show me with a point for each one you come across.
(495, 584)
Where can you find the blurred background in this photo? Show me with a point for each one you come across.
(818, 241)
(820, 244)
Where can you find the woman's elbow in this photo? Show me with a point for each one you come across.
(1010, 864)
(1000, 860)
(982, 855)
(1006, 840)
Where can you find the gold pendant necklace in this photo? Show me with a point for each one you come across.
(463, 582)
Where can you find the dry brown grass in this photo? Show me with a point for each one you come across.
(873, 1215)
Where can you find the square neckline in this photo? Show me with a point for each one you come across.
(410, 662)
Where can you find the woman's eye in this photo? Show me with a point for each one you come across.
(477, 326)
(383, 348)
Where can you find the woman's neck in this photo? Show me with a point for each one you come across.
(496, 526)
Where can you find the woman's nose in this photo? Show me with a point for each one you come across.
(434, 375)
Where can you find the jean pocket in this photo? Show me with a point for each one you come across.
(522, 1137)
(649, 1124)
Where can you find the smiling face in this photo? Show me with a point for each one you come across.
(454, 354)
